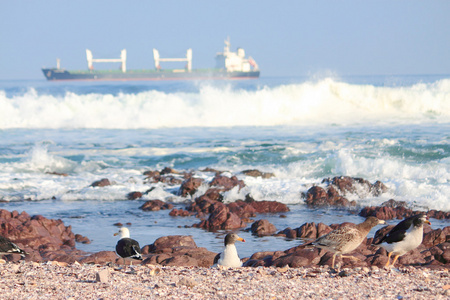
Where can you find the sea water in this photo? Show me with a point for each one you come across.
(395, 129)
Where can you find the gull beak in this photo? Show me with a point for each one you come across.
(381, 222)
(427, 222)
(241, 239)
(116, 233)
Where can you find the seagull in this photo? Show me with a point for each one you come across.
(404, 237)
(8, 247)
(347, 238)
(126, 247)
(229, 257)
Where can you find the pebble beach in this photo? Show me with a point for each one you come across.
(54, 280)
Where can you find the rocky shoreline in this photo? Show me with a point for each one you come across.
(50, 240)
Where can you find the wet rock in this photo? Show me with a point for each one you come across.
(221, 218)
(134, 195)
(217, 172)
(257, 173)
(101, 183)
(168, 170)
(262, 228)
(155, 205)
(190, 186)
(318, 196)
(337, 187)
(265, 206)
(82, 239)
(243, 209)
(179, 213)
(312, 230)
(151, 174)
(224, 183)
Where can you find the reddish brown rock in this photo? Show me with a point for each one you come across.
(257, 173)
(82, 239)
(269, 206)
(134, 195)
(190, 186)
(151, 174)
(168, 170)
(262, 228)
(177, 251)
(171, 241)
(42, 238)
(312, 231)
(224, 183)
(243, 209)
(101, 183)
(221, 218)
(155, 205)
(179, 213)
(101, 257)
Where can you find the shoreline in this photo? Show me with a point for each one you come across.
(31, 280)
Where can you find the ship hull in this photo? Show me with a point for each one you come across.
(60, 74)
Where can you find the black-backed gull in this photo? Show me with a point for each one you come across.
(8, 247)
(404, 237)
(127, 247)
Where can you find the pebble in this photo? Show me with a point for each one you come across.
(76, 282)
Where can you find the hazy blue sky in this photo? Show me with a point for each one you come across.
(286, 38)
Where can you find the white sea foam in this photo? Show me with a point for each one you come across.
(325, 101)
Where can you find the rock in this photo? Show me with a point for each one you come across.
(168, 170)
(134, 195)
(224, 183)
(221, 218)
(155, 205)
(101, 183)
(262, 228)
(269, 206)
(101, 257)
(37, 235)
(257, 173)
(171, 241)
(190, 186)
(179, 213)
(189, 282)
(102, 276)
(82, 239)
(178, 251)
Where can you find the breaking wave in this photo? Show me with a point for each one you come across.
(322, 102)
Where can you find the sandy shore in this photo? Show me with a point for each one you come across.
(51, 280)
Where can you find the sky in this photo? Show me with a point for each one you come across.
(285, 38)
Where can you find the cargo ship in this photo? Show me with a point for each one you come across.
(229, 65)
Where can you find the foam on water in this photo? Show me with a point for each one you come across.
(326, 101)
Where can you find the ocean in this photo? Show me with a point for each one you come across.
(395, 129)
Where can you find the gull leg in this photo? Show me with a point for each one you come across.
(395, 259)
(334, 258)
(389, 258)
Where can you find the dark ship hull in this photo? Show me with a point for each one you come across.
(54, 74)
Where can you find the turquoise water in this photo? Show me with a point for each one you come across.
(392, 129)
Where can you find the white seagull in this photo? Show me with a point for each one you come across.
(127, 247)
(229, 257)
(404, 237)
